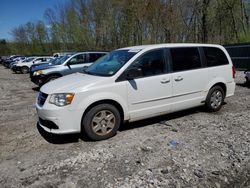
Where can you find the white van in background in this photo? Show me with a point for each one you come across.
(135, 83)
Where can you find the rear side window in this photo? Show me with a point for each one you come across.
(215, 56)
(185, 59)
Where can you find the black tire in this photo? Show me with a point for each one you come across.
(105, 126)
(215, 99)
(50, 78)
(25, 70)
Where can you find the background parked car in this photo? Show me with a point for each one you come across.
(24, 67)
(9, 58)
(13, 59)
(19, 60)
(65, 65)
(52, 62)
(13, 66)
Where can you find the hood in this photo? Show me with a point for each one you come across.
(42, 66)
(71, 83)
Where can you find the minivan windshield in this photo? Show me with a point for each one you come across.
(109, 64)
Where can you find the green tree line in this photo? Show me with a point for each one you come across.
(110, 24)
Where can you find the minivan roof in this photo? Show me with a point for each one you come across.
(142, 47)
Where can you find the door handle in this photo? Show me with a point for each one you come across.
(164, 81)
(179, 78)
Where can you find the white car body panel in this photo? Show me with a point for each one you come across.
(189, 88)
(149, 101)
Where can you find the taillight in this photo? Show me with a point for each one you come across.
(233, 71)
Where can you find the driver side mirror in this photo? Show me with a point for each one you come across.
(68, 64)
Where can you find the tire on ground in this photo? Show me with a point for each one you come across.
(25, 70)
(101, 122)
(215, 98)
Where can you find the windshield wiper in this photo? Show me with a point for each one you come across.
(91, 73)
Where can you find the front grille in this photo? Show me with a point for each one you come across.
(41, 98)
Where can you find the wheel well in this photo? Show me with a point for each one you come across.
(108, 101)
(222, 85)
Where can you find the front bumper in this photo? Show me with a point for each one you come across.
(58, 120)
(16, 68)
(38, 80)
(230, 89)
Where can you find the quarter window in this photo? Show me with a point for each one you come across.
(151, 63)
(185, 59)
(215, 56)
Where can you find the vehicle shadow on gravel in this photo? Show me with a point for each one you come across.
(36, 89)
(58, 139)
(161, 120)
(243, 85)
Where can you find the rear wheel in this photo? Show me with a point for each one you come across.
(25, 70)
(101, 122)
(215, 98)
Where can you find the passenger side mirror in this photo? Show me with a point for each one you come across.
(134, 73)
(68, 64)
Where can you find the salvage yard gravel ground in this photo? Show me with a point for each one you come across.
(192, 148)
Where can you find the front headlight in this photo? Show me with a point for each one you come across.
(36, 73)
(61, 99)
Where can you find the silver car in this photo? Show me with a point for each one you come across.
(65, 65)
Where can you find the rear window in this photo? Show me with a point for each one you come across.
(185, 58)
(215, 56)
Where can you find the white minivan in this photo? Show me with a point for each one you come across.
(135, 83)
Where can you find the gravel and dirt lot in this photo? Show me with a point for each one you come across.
(192, 148)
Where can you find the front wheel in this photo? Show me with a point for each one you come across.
(25, 70)
(101, 122)
(215, 99)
